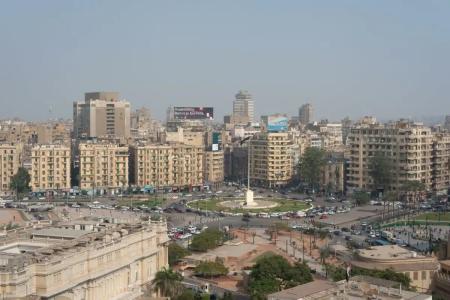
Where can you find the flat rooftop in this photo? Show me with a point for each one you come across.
(358, 288)
(388, 252)
(58, 233)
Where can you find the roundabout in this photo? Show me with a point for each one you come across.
(240, 205)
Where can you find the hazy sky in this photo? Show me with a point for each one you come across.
(385, 58)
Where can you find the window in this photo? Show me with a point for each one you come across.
(416, 276)
(424, 275)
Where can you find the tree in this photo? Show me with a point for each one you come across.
(208, 239)
(380, 169)
(211, 269)
(310, 166)
(176, 253)
(273, 273)
(324, 254)
(361, 198)
(168, 283)
(187, 294)
(20, 182)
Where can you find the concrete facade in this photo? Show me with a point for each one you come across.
(271, 159)
(50, 168)
(112, 264)
(103, 167)
(102, 114)
(10, 161)
(167, 165)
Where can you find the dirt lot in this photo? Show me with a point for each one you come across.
(10, 215)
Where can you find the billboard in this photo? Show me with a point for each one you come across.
(193, 113)
(277, 123)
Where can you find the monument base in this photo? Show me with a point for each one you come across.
(249, 198)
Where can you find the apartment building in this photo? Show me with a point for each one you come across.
(103, 167)
(408, 144)
(213, 169)
(50, 168)
(110, 262)
(101, 114)
(441, 163)
(168, 166)
(10, 161)
(271, 159)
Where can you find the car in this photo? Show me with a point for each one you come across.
(323, 217)
(348, 238)
(76, 206)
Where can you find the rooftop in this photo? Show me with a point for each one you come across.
(59, 233)
(358, 287)
(393, 252)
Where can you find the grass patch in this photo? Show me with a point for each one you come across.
(283, 205)
(434, 217)
(138, 202)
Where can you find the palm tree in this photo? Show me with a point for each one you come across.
(168, 283)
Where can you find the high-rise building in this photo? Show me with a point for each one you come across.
(172, 166)
(103, 167)
(10, 161)
(447, 122)
(50, 168)
(243, 108)
(305, 114)
(101, 114)
(271, 159)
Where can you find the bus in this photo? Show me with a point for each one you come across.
(387, 235)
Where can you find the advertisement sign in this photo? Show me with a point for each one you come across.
(193, 113)
(278, 123)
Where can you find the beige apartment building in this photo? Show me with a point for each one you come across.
(213, 167)
(112, 262)
(10, 161)
(103, 167)
(50, 168)
(102, 114)
(172, 166)
(441, 162)
(408, 144)
(271, 159)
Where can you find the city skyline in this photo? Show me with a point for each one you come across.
(347, 59)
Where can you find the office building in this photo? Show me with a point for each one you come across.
(101, 114)
(103, 167)
(271, 159)
(50, 168)
(102, 262)
(167, 166)
(305, 114)
(10, 161)
(243, 108)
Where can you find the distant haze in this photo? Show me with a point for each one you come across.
(384, 58)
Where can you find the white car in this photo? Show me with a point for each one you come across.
(76, 206)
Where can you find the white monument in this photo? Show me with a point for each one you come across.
(249, 198)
